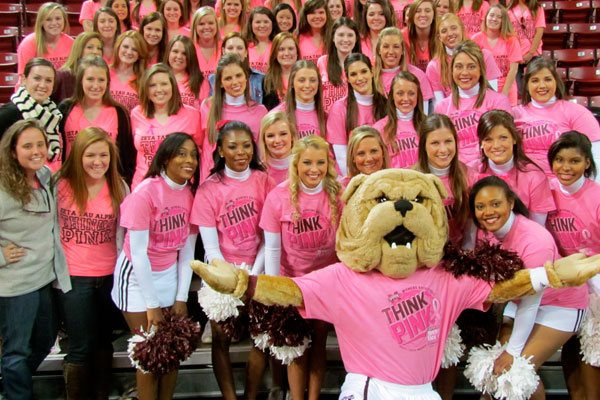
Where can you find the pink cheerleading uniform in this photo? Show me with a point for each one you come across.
(58, 56)
(234, 208)
(76, 121)
(208, 67)
(122, 92)
(387, 76)
(472, 20)
(575, 224)
(505, 52)
(336, 120)
(165, 213)
(88, 236)
(308, 49)
(403, 323)
(148, 134)
(540, 127)
(525, 26)
(88, 10)
(331, 93)
(405, 146)
(307, 122)
(465, 119)
(259, 62)
(308, 242)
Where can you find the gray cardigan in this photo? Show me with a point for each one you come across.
(33, 227)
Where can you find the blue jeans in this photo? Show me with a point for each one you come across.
(87, 310)
(28, 330)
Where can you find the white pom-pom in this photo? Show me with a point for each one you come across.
(519, 382)
(133, 341)
(218, 306)
(589, 334)
(480, 367)
(287, 354)
(453, 349)
(261, 341)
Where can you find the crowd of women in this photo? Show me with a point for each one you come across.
(243, 123)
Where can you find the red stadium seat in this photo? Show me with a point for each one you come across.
(586, 81)
(11, 14)
(595, 102)
(583, 100)
(549, 11)
(585, 35)
(556, 36)
(573, 11)
(563, 73)
(8, 62)
(9, 38)
(574, 57)
(8, 81)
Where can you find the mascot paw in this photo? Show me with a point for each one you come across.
(222, 276)
(574, 270)
(588, 334)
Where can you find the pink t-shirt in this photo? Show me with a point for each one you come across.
(88, 9)
(530, 185)
(308, 242)
(535, 245)
(367, 49)
(399, 7)
(422, 56)
(331, 93)
(525, 26)
(540, 127)
(434, 73)
(456, 231)
(251, 116)
(58, 56)
(307, 122)
(107, 119)
(505, 52)
(259, 62)
(188, 98)
(575, 224)
(123, 92)
(277, 175)
(143, 11)
(472, 19)
(234, 208)
(148, 134)
(89, 239)
(466, 117)
(208, 67)
(165, 212)
(308, 49)
(405, 146)
(388, 76)
(336, 120)
(391, 329)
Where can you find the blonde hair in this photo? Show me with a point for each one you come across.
(72, 63)
(330, 184)
(40, 36)
(445, 71)
(198, 15)
(356, 136)
(506, 28)
(140, 65)
(242, 17)
(290, 97)
(389, 31)
(268, 120)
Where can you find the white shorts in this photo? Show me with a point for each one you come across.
(559, 318)
(360, 387)
(127, 294)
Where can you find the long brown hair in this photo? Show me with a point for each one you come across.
(334, 69)
(146, 104)
(419, 115)
(192, 69)
(140, 65)
(290, 98)
(390, 31)
(533, 5)
(412, 30)
(441, 55)
(471, 49)
(309, 7)
(273, 81)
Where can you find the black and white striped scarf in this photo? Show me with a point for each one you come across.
(47, 114)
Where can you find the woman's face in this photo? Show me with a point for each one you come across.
(440, 147)
(405, 95)
(54, 23)
(120, 8)
(312, 166)
(344, 39)
(569, 164)
(493, 20)
(94, 83)
(206, 29)
(375, 17)
(153, 33)
(262, 26)
(182, 166)
(336, 9)
(172, 12)
(93, 47)
(424, 15)
(498, 145)
(542, 86)
(107, 26)
(40, 82)
(360, 78)
(465, 71)
(237, 150)
(450, 33)
(492, 208)
(285, 20)
(369, 156)
(287, 54)
(443, 8)
(306, 84)
(233, 9)
(96, 160)
(178, 57)
(317, 19)
(31, 150)
(128, 52)
(160, 90)
(236, 45)
(233, 80)
(278, 140)
(391, 51)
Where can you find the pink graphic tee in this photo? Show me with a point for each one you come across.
(307, 242)
(76, 121)
(422, 56)
(404, 148)
(576, 222)
(188, 98)
(208, 67)
(456, 231)
(122, 92)
(308, 49)
(234, 208)
(331, 93)
(165, 213)
(388, 76)
(88, 9)
(259, 62)
(307, 122)
(404, 323)
(57, 56)
(472, 20)
(89, 239)
(525, 26)
(336, 120)
(277, 175)
(367, 49)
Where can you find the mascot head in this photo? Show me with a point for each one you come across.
(394, 220)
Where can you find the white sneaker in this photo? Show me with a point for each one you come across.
(276, 393)
(207, 334)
